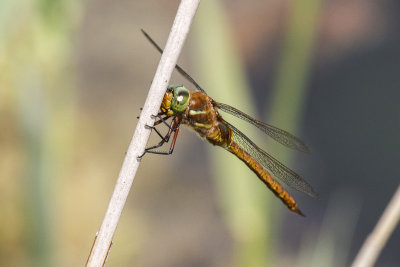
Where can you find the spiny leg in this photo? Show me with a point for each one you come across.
(171, 149)
(173, 127)
(161, 120)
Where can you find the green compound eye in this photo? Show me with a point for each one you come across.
(180, 101)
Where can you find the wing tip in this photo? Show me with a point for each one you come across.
(313, 194)
(302, 147)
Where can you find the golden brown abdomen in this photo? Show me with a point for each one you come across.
(264, 176)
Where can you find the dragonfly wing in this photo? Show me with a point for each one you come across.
(177, 67)
(279, 170)
(279, 135)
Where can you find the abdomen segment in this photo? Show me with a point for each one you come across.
(264, 176)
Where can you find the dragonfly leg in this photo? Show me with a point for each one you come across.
(169, 152)
(157, 132)
(174, 127)
(161, 120)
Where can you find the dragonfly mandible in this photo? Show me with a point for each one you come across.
(200, 112)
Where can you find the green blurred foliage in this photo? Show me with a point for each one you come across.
(36, 113)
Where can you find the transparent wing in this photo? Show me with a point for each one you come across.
(178, 68)
(279, 170)
(281, 136)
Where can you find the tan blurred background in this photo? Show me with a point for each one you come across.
(73, 76)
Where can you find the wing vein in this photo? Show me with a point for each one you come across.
(279, 170)
(279, 135)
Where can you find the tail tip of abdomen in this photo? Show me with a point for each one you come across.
(298, 211)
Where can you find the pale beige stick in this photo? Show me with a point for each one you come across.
(179, 31)
(375, 242)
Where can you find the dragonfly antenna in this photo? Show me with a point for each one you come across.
(178, 68)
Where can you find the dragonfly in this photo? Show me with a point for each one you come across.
(200, 112)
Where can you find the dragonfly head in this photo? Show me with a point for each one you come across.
(176, 100)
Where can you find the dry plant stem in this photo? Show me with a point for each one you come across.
(179, 31)
(375, 242)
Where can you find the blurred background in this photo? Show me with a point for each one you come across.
(73, 76)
